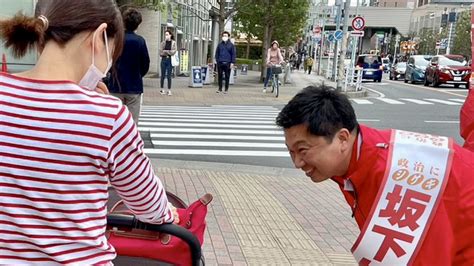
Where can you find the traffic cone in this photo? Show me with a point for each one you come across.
(4, 63)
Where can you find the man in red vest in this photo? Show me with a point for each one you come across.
(412, 194)
(467, 110)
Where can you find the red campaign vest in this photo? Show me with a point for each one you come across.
(416, 175)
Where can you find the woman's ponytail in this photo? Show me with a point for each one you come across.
(23, 33)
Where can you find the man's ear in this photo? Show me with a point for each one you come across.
(343, 136)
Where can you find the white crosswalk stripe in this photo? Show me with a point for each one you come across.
(402, 101)
(417, 101)
(458, 100)
(213, 131)
(390, 101)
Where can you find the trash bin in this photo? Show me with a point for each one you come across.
(243, 69)
(195, 79)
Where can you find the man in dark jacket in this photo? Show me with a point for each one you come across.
(126, 80)
(225, 59)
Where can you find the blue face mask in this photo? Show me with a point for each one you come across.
(93, 74)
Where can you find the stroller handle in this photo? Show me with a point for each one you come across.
(129, 221)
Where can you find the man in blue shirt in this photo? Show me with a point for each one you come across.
(225, 59)
(126, 80)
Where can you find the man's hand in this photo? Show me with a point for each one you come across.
(102, 88)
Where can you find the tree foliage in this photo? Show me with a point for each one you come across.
(268, 20)
(462, 42)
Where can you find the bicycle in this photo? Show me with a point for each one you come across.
(276, 70)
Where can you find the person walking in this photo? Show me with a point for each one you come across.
(225, 60)
(168, 49)
(410, 193)
(274, 57)
(126, 80)
(62, 144)
(309, 63)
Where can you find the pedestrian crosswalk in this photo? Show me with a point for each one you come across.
(213, 131)
(401, 101)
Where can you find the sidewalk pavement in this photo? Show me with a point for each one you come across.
(259, 215)
(263, 215)
(246, 91)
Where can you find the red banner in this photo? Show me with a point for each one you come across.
(471, 82)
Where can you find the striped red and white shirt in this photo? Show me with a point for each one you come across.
(59, 146)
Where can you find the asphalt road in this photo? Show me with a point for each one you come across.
(247, 135)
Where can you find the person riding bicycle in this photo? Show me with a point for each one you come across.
(274, 57)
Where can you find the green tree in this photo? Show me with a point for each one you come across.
(281, 20)
(462, 42)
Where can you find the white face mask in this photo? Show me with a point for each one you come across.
(225, 39)
(93, 74)
(167, 37)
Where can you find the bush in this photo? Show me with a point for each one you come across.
(243, 61)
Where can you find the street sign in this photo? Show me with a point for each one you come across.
(331, 38)
(338, 35)
(317, 30)
(443, 44)
(357, 33)
(438, 44)
(358, 23)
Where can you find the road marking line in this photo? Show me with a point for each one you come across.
(211, 112)
(206, 130)
(442, 101)
(208, 114)
(375, 91)
(208, 136)
(185, 125)
(218, 152)
(442, 122)
(144, 115)
(389, 101)
(362, 101)
(455, 90)
(458, 100)
(368, 120)
(415, 101)
(219, 144)
(216, 121)
(426, 88)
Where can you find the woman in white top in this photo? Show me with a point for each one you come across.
(274, 57)
(61, 142)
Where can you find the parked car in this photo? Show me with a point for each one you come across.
(448, 69)
(416, 67)
(371, 65)
(386, 64)
(398, 71)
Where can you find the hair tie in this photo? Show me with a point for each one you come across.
(45, 22)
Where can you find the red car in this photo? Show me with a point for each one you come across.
(448, 69)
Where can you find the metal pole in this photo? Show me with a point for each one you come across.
(323, 39)
(338, 25)
(448, 49)
(347, 6)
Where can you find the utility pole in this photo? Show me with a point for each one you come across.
(338, 25)
(347, 5)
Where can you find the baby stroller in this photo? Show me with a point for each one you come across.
(139, 243)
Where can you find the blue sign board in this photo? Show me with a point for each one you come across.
(338, 35)
(331, 38)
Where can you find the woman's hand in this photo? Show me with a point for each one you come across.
(175, 213)
(102, 88)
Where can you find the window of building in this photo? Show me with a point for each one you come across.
(384, 4)
(396, 4)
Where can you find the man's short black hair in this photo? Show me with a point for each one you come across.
(132, 18)
(225, 32)
(324, 110)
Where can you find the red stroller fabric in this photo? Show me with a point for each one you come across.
(165, 248)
